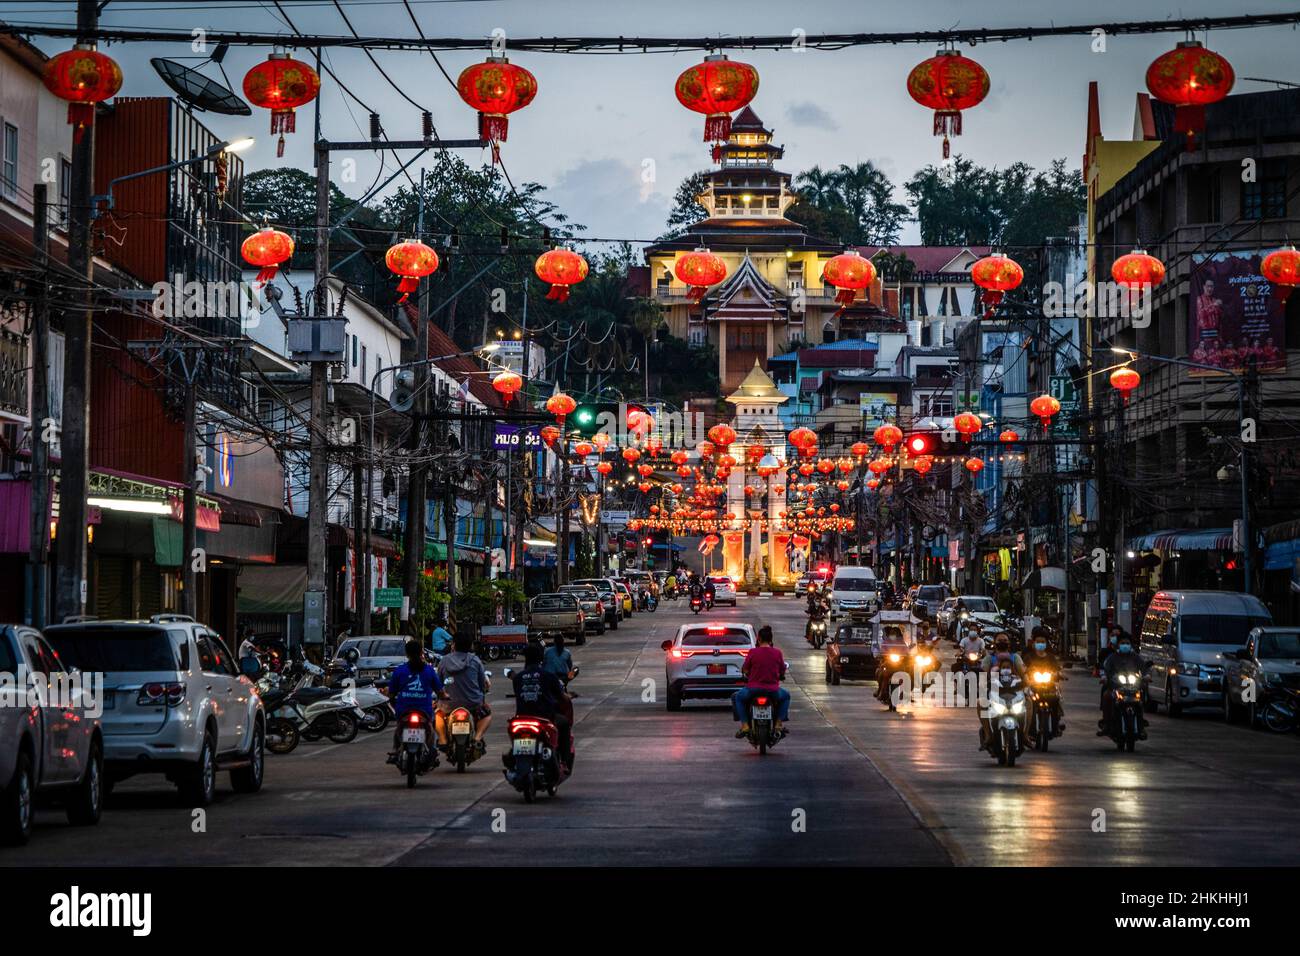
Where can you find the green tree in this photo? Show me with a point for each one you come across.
(686, 209)
(854, 204)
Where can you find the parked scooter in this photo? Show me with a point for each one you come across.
(1001, 721)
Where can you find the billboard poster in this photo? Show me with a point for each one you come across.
(1234, 315)
(878, 407)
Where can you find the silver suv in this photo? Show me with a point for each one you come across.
(704, 660)
(175, 702)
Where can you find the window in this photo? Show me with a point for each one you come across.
(1266, 197)
(207, 656)
(355, 343)
(112, 650)
(9, 163)
(1204, 196)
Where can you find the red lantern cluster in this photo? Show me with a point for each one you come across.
(699, 270)
(848, 272)
(83, 77)
(1189, 78)
(267, 249)
(412, 260)
(717, 88)
(561, 268)
(948, 83)
(281, 85)
(996, 275)
(496, 88)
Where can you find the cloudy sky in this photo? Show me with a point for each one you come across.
(609, 139)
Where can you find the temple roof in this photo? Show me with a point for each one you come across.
(747, 121)
(757, 386)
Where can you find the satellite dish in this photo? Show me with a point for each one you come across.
(201, 92)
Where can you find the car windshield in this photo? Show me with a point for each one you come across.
(715, 636)
(717, 581)
(854, 584)
(395, 648)
(118, 649)
(852, 635)
(1285, 645)
(980, 605)
(1230, 630)
(554, 602)
(930, 594)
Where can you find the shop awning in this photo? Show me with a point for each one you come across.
(1282, 555)
(1045, 579)
(437, 551)
(1182, 539)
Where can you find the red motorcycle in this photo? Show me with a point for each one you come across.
(533, 762)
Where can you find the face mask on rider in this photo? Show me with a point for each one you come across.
(1040, 647)
(1125, 647)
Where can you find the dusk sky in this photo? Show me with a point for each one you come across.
(598, 118)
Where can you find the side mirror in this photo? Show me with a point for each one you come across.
(352, 655)
(487, 673)
(508, 673)
(667, 645)
(250, 667)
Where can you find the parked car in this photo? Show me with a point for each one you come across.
(49, 746)
(592, 609)
(724, 589)
(1185, 637)
(175, 702)
(704, 660)
(610, 597)
(379, 655)
(557, 613)
(1262, 680)
(854, 592)
(849, 654)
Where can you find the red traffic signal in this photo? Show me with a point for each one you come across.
(920, 444)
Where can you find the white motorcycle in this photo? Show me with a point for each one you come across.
(1002, 721)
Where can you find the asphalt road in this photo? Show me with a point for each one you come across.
(853, 784)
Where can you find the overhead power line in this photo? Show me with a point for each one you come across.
(637, 45)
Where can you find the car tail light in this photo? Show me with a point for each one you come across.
(679, 653)
(716, 629)
(158, 693)
(459, 714)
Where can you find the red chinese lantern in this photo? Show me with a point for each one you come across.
(878, 466)
(677, 489)
(507, 383)
(974, 465)
(83, 77)
(679, 457)
(749, 490)
(582, 449)
(722, 435)
(834, 508)
(996, 275)
(549, 435)
(645, 487)
(873, 483)
(887, 436)
(630, 455)
(923, 465)
(1137, 270)
(1045, 406)
(844, 465)
(699, 270)
(654, 509)
(1282, 268)
(1190, 77)
(604, 468)
(645, 470)
(412, 260)
(1010, 436)
(967, 424)
(267, 249)
(281, 84)
(860, 449)
(825, 466)
(807, 468)
(601, 441)
(948, 83)
(848, 272)
(560, 405)
(802, 437)
(561, 268)
(496, 88)
(717, 88)
(843, 485)
(1125, 380)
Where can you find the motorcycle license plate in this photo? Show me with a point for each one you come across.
(762, 713)
(460, 727)
(717, 668)
(525, 745)
(413, 735)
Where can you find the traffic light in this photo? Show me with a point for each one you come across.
(919, 444)
(590, 417)
(583, 419)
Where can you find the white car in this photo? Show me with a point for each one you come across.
(45, 748)
(724, 589)
(974, 608)
(704, 660)
(175, 702)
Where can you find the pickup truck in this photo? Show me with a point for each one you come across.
(1261, 681)
(557, 613)
(51, 743)
(592, 608)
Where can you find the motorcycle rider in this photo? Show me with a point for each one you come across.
(764, 669)
(558, 661)
(973, 643)
(1124, 658)
(708, 591)
(999, 656)
(469, 689)
(1039, 656)
(539, 693)
(440, 640)
(670, 586)
(412, 686)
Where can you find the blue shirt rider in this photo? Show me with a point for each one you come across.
(440, 641)
(413, 685)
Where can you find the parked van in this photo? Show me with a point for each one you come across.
(1185, 636)
(854, 592)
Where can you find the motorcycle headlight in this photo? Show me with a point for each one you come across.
(844, 660)
(1042, 677)
(996, 707)
(1018, 706)
(895, 658)
(924, 660)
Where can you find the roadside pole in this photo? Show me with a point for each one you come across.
(38, 541)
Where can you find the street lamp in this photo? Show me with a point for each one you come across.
(1247, 544)
(216, 149)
